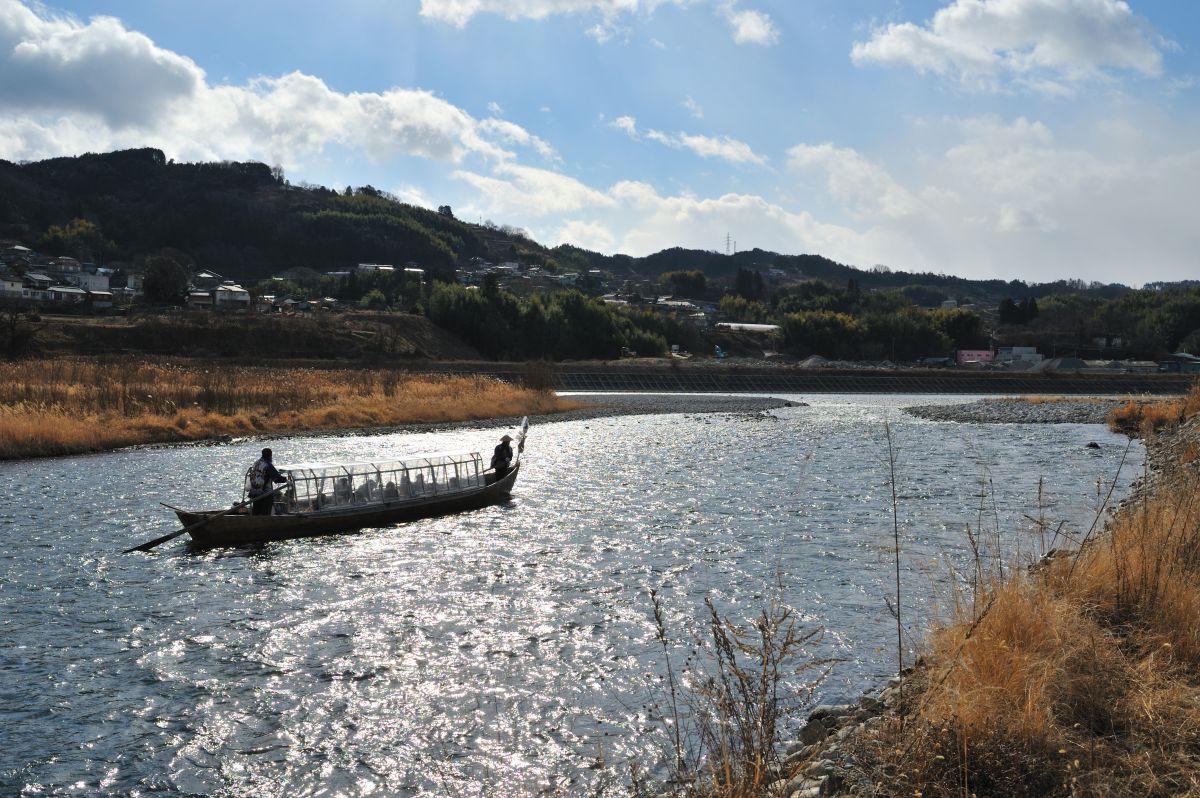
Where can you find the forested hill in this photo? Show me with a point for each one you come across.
(239, 219)
(245, 221)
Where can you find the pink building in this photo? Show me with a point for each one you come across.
(965, 356)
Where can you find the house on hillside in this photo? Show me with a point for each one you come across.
(65, 266)
(38, 281)
(374, 268)
(67, 294)
(91, 282)
(206, 280)
(200, 299)
(11, 285)
(230, 296)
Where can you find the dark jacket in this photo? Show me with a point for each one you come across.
(502, 457)
(263, 476)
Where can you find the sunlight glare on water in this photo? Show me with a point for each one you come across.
(510, 650)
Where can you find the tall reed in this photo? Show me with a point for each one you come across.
(67, 406)
(740, 685)
(1077, 677)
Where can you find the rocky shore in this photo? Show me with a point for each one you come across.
(1007, 410)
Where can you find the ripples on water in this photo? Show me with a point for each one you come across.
(507, 651)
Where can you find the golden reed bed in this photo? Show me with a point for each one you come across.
(63, 407)
(1077, 678)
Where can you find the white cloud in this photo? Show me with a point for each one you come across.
(414, 195)
(626, 124)
(723, 147)
(863, 187)
(515, 134)
(749, 26)
(524, 191)
(693, 108)
(1005, 199)
(587, 235)
(460, 12)
(1043, 45)
(51, 64)
(68, 87)
(752, 27)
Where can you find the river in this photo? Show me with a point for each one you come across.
(507, 651)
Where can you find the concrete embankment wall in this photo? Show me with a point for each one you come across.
(801, 381)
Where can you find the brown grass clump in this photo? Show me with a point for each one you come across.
(1145, 417)
(1081, 677)
(72, 406)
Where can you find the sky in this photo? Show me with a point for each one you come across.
(1012, 139)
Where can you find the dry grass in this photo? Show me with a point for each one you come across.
(72, 406)
(725, 708)
(1080, 678)
(1146, 417)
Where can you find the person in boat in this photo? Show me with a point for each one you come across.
(263, 479)
(502, 457)
(341, 491)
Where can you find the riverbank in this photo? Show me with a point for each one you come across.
(1080, 676)
(53, 408)
(63, 407)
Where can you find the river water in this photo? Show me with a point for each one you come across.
(509, 651)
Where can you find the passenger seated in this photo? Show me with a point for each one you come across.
(406, 487)
(341, 491)
(363, 492)
(390, 492)
(419, 485)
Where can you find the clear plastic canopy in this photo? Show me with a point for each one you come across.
(314, 486)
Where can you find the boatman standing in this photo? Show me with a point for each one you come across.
(263, 479)
(502, 457)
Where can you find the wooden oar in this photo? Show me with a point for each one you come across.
(171, 536)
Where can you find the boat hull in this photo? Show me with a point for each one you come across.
(240, 530)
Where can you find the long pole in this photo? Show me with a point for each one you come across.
(157, 541)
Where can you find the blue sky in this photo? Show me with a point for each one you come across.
(1033, 139)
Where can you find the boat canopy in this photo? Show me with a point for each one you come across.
(313, 486)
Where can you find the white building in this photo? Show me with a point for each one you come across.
(230, 296)
(67, 294)
(91, 282)
(11, 285)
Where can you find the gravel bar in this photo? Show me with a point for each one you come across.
(1016, 411)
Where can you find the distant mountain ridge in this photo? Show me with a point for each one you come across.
(244, 220)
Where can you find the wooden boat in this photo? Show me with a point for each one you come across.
(323, 499)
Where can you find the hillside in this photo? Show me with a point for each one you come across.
(242, 220)
(364, 337)
(246, 221)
